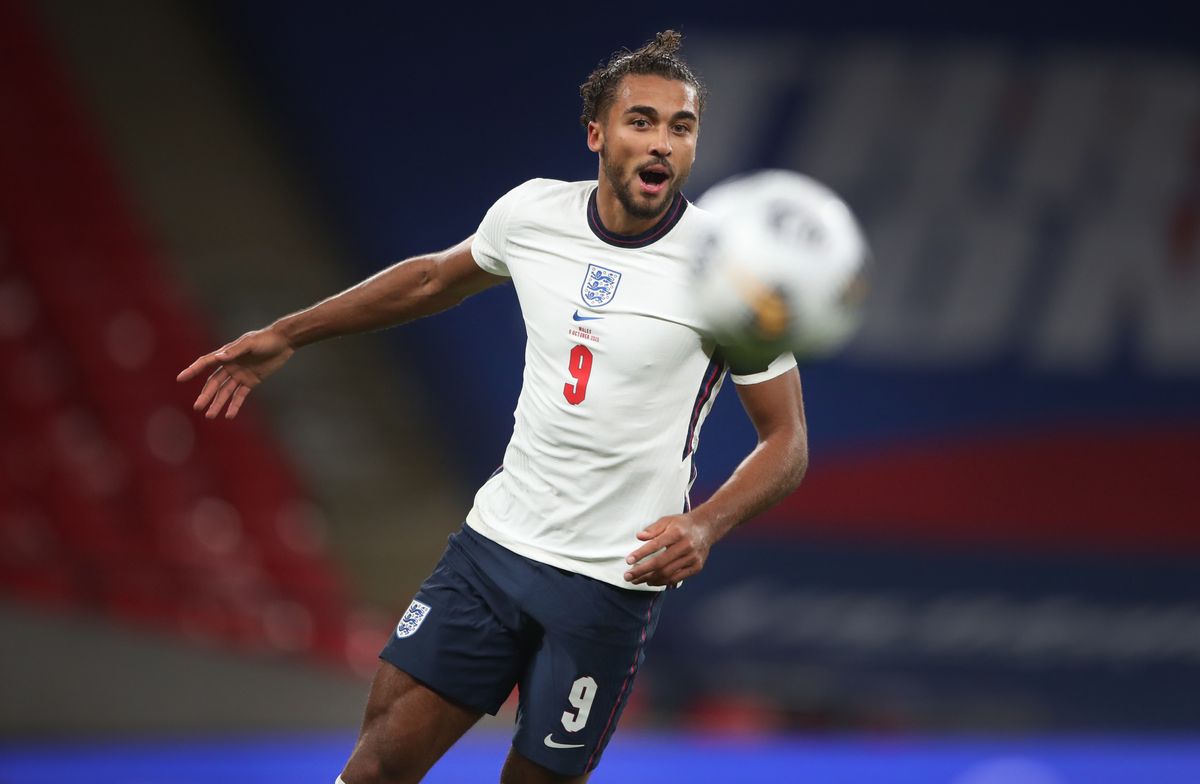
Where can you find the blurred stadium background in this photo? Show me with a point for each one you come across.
(989, 576)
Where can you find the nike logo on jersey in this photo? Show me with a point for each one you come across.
(578, 317)
(552, 744)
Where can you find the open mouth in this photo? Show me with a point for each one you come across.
(653, 179)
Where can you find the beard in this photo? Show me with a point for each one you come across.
(623, 189)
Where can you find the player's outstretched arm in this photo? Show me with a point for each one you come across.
(417, 287)
(770, 472)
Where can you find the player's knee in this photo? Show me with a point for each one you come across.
(369, 766)
(389, 751)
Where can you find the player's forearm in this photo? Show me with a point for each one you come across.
(405, 291)
(774, 469)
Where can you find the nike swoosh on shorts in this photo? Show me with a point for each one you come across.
(549, 741)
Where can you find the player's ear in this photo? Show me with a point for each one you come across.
(595, 136)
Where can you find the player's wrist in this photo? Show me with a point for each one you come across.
(291, 331)
(712, 521)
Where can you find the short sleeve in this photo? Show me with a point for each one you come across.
(490, 243)
(777, 367)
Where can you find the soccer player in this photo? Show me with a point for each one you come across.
(556, 581)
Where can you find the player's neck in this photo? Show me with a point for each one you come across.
(616, 218)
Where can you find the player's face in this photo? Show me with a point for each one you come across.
(647, 142)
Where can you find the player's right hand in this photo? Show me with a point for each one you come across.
(235, 369)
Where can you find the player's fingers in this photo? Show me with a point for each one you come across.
(235, 403)
(650, 565)
(680, 575)
(665, 574)
(206, 362)
(680, 570)
(226, 353)
(231, 351)
(222, 397)
(635, 573)
(665, 539)
(654, 529)
(210, 388)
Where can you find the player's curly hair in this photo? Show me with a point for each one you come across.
(658, 57)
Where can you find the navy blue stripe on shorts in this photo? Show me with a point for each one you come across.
(488, 619)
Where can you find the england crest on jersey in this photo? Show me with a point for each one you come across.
(411, 621)
(599, 285)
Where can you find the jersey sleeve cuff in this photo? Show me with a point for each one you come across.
(780, 365)
(486, 257)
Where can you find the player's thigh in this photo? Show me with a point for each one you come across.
(456, 653)
(463, 636)
(406, 728)
(520, 770)
(578, 682)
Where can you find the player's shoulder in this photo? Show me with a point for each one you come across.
(544, 189)
(540, 202)
(694, 221)
(698, 215)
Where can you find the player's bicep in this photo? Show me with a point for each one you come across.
(459, 276)
(775, 406)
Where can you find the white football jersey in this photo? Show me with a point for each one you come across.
(618, 378)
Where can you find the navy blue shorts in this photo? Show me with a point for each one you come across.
(488, 619)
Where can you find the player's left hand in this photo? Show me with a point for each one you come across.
(684, 542)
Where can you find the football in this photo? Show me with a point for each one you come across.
(782, 267)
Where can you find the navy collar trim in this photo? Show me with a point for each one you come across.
(649, 236)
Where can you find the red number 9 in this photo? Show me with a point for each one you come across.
(580, 368)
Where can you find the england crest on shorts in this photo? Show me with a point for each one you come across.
(411, 621)
(599, 285)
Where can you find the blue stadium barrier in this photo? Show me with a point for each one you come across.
(1098, 759)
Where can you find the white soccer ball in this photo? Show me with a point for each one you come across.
(782, 268)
